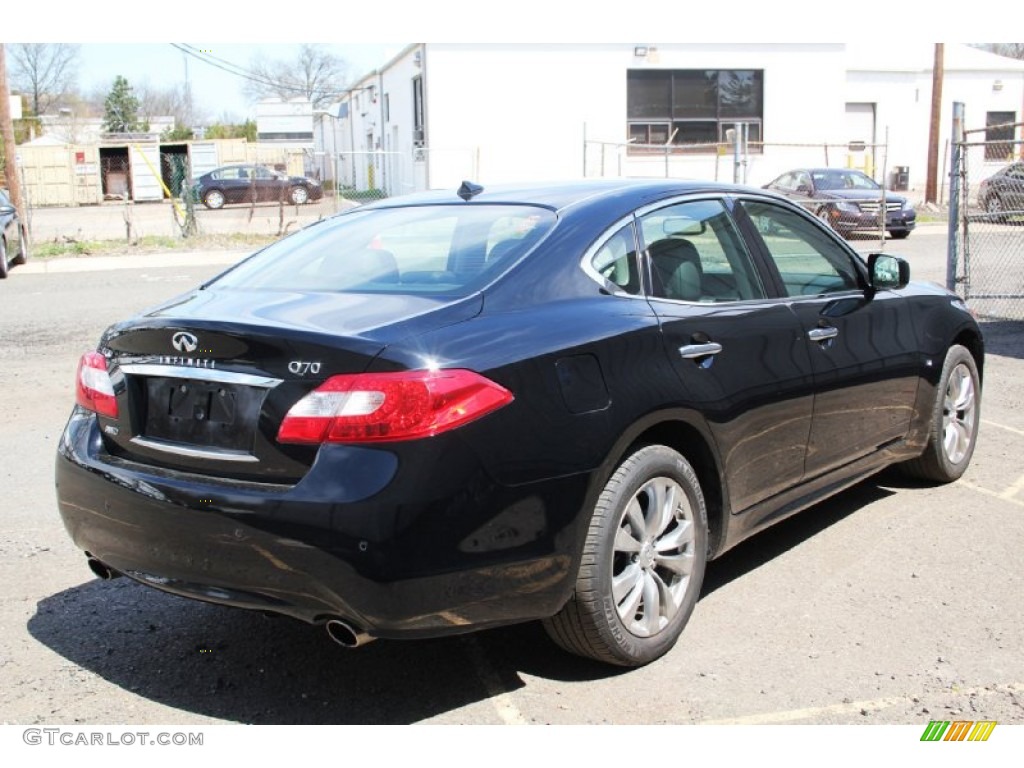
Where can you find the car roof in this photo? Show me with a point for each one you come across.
(565, 194)
(835, 170)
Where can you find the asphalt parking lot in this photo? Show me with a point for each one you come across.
(894, 603)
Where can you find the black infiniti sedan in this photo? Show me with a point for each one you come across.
(847, 200)
(452, 411)
(253, 184)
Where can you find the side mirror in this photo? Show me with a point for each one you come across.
(888, 272)
(803, 189)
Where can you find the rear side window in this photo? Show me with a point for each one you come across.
(615, 262)
(442, 249)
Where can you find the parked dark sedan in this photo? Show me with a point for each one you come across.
(254, 183)
(1002, 194)
(14, 238)
(446, 412)
(846, 200)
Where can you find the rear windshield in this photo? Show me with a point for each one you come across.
(440, 249)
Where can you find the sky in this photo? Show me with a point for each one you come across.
(217, 95)
(138, 46)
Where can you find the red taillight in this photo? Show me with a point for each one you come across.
(379, 407)
(93, 388)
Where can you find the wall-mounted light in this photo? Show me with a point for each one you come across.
(640, 51)
(997, 85)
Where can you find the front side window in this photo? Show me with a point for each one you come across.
(696, 254)
(808, 259)
(693, 108)
(438, 249)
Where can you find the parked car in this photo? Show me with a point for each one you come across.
(14, 240)
(1002, 193)
(846, 200)
(439, 413)
(253, 183)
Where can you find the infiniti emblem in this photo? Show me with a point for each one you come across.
(184, 342)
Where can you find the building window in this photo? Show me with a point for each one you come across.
(418, 135)
(693, 108)
(998, 140)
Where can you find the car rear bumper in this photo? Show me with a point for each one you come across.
(454, 552)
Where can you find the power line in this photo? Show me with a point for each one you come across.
(237, 71)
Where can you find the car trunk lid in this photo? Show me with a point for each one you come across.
(203, 382)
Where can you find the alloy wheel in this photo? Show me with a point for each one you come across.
(653, 556)
(958, 414)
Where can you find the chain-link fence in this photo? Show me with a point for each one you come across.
(988, 263)
(363, 176)
(739, 160)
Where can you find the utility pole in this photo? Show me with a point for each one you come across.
(7, 128)
(931, 184)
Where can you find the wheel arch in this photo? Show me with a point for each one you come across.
(686, 433)
(974, 344)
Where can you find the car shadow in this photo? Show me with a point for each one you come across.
(240, 666)
(784, 536)
(868, 236)
(1004, 338)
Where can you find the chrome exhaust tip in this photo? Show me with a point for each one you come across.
(346, 635)
(102, 570)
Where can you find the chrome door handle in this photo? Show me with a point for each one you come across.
(822, 334)
(691, 351)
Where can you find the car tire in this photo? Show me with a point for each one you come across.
(994, 206)
(298, 195)
(214, 199)
(22, 256)
(642, 563)
(953, 423)
(900, 234)
(826, 219)
(3, 259)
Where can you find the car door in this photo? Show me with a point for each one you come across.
(234, 184)
(739, 355)
(861, 343)
(268, 185)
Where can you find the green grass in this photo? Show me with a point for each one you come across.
(148, 244)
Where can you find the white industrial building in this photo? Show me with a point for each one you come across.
(438, 113)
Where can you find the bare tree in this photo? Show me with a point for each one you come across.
(1012, 50)
(317, 74)
(155, 101)
(43, 71)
